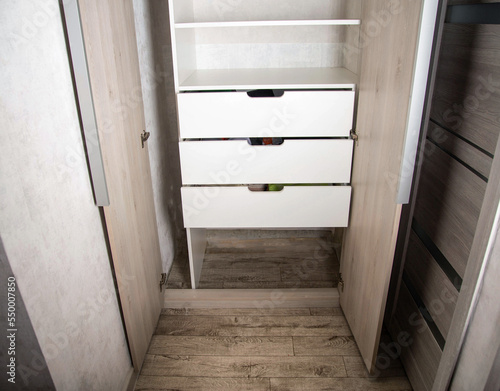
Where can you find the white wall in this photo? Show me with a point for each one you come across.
(155, 60)
(49, 224)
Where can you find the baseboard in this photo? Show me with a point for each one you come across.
(251, 298)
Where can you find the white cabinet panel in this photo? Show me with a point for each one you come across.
(238, 207)
(238, 162)
(294, 114)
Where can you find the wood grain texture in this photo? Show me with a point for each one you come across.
(467, 94)
(263, 259)
(460, 149)
(111, 48)
(325, 346)
(437, 292)
(355, 367)
(479, 251)
(369, 243)
(289, 361)
(251, 311)
(422, 355)
(221, 346)
(200, 384)
(448, 204)
(252, 298)
(339, 384)
(249, 326)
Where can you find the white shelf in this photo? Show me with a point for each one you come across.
(270, 78)
(270, 23)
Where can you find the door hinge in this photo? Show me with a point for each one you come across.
(163, 281)
(355, 137)
(341, 282)
(144, 137)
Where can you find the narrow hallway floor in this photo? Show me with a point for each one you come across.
(261, 349)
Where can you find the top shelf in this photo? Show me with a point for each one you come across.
(270, 23)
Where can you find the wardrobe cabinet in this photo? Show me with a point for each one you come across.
(328, 85)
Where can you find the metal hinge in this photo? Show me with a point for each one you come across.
(341, 282)
(355, 137)
(163, 281)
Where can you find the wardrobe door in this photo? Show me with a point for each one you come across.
(388, 43)
(111, 50)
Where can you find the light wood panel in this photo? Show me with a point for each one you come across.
(385, 85)
(111, 47)
(433, 286)
(422, 355)
(466, 94)
(448, 204)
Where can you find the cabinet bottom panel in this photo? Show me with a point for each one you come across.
(292, 207)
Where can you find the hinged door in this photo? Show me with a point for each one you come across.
(111, 50)
(388, 43)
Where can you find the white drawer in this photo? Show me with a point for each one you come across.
(238, 162)
(236, 114)
(238, 207)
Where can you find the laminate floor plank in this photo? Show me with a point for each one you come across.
(263, 260)
(305, 367)
(248, 366)
(253, 326)
(332, 311)
(145, 383)
(221, 346)
(340, 384)
(325, 346)
(292, 355)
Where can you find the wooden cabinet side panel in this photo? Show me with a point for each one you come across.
(384, 91)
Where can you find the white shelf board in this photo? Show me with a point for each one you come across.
(269, 78)
(267, 23)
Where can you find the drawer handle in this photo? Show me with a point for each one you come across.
(266, 93)
(265, 141)
(266, 188)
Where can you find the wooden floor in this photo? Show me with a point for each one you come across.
(259, 349)
(241, 259)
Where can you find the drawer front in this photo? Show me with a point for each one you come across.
(238, 162)
(238, 207)
(236, 114)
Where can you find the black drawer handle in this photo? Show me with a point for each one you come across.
(266, 93)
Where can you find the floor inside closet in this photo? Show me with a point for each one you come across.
(264, 259)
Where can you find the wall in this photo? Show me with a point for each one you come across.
(155, 59)
(49, 225)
